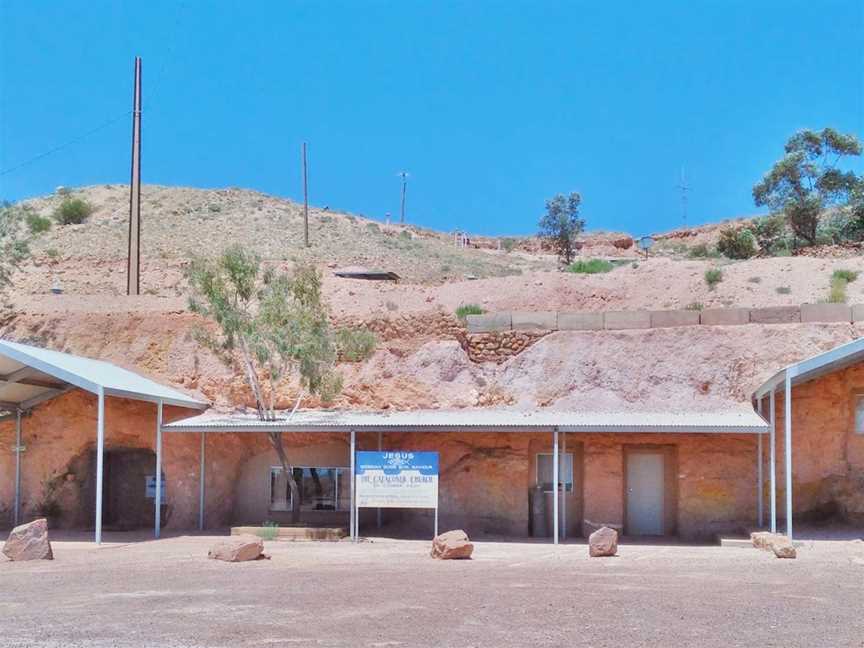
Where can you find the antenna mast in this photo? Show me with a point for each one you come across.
(133, 268)
(404, 176)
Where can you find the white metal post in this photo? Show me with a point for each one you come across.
(18, 449)
(787, 451)
(759, 481)
(158, 502)
(378, 513)
(773, 468)
(564, 488)
(201, 476)
(100, 452)
(353, 516)
(555, 459)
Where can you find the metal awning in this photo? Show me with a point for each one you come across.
(836, 359)
(738, 420)
(359, 272)
(30, 375)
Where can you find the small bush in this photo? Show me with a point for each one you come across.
(769, 230)
(355, 345)
(846, 275)
(837, 291)
(73, 211)
(269, 530)
(508, 244)
(37, 224)
(755, 280)
(700, 251)
(736, 244)
(783, 290)
(713, 277)
(695, 306)
(591, 266)
(468, 309)
(52, 253)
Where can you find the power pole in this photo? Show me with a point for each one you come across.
(404, 176)
(305, 200)
(684, 189)
(133, 268)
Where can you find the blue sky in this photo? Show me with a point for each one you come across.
(491, 106)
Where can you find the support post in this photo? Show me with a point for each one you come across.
(353, 516)
(787, 452)
(773, 467)
(760, 487)
(564, 488)
(158, 499)
(378, 512)
(555, 460)
(201, 476)
(100, 459)
(18, 449)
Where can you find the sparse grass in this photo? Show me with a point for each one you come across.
(837, 290)
(695, 306)
(755, 280)
(846, 275)
(391, 306)
(468, 309)
(269, 530)
(591, 266)
(508, 244)
(713, 276)
(783, 290)
(73, 211)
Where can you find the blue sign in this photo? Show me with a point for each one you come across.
(397, 479)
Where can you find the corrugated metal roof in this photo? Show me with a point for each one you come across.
(738, 420)
(29, 374)
(813, 367)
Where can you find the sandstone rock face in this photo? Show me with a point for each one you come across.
(237, 549)
(603, 542)
(29, 542)
(452, 545)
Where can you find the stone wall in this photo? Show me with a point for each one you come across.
(498, 347)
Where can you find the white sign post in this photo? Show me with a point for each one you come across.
(397, 480)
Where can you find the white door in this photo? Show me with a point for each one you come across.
(645, 493)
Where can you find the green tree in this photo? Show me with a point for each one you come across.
(275, 326)
(807, 179)
(560, 225)
(15, 239)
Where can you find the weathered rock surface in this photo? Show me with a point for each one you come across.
(603, 542)
(29, 542)
(237, 549)
(761, 539)
(783, 548)
(452, 545)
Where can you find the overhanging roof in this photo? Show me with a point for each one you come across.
(836, 359)
(733, 421)
(30, 375)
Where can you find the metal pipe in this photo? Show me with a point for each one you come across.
(353, 515)
(18, 449)
(201, 476)
(100, 459)
(378, 513)
(773, 472)
(787, 451)
(564, 488)
(760, 487)
(158, 502)
(555, 459)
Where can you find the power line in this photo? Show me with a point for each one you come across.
(67, 144)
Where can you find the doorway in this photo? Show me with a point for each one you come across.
(128, 482)
(649, 490)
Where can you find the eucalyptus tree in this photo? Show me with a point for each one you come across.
(275, 326)
(561, 224)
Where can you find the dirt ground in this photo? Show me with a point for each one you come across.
(390, 593)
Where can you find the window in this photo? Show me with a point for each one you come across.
(320, 488)
(545, 463)
(859, 414)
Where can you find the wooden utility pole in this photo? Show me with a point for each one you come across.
(305, 200)
(404, 175)
(133, 270)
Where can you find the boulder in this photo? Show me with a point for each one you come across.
(783, 548)
(603, 542)
(761, 539)
(237, 548)
(452, 545)
(29, 542)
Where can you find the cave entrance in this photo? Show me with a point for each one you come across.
(128, 484)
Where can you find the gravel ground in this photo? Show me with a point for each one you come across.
(390, 593)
